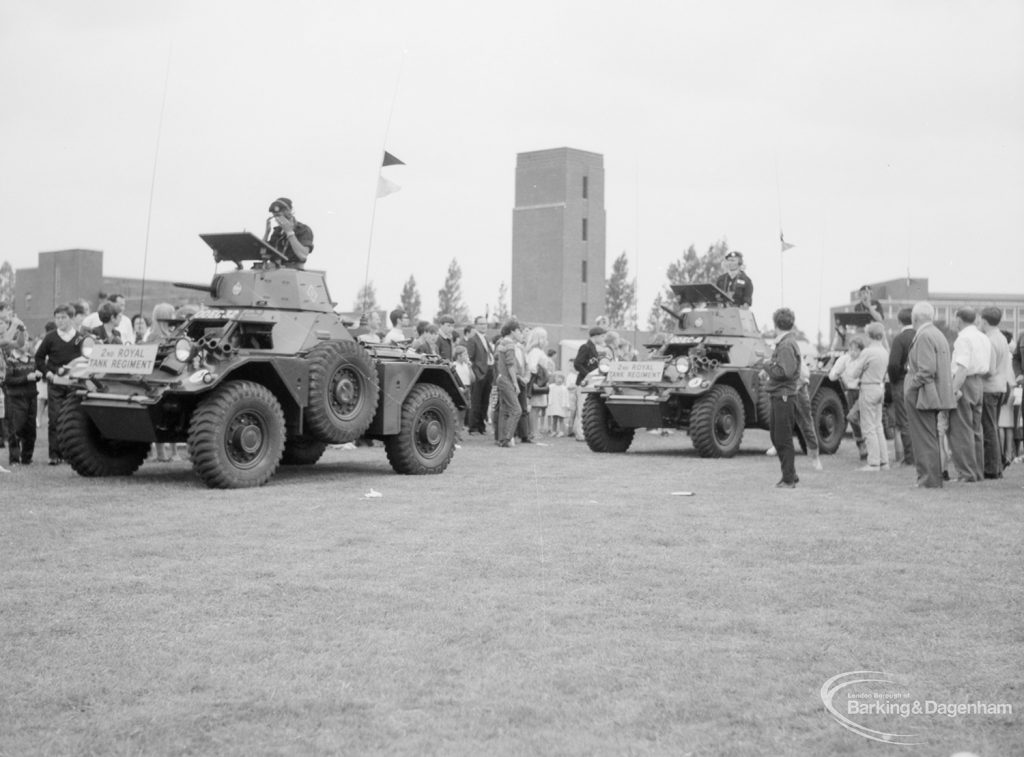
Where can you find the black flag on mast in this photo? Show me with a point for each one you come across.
(385, 186)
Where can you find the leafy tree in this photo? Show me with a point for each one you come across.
(690, 268)
(501, 312)
(620, 295)
(7, 283)
(449, 296)
(410, 299)
(366, 298)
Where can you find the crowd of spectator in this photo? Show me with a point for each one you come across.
(970, 423)
(955, 408)
(33, 368)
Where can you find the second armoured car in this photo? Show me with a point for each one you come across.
(703, 378)
(265, 374)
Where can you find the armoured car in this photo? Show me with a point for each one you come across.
(264, 374)
(703, 378)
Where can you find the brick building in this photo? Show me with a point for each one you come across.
(903, 293)
(558, 241)
(63, 276)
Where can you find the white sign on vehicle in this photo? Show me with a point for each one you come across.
(644, 370)
(122, 358)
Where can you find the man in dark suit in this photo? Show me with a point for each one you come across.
(735, 282)
(481, 358)
(897, 373)
(588, 357)
(928, 388)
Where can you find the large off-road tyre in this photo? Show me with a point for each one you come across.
(343, 392)
(600, 430)
(425, 442)
(88, 453)
(717, 421)
(301, 450)
(764, 406)
(829, 419)
(236, 437)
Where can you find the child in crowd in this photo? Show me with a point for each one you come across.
(570, 411)
(558, 404)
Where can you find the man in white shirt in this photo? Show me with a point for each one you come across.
(971, 362)
(846, 368)
(124, 323)
(399, 320)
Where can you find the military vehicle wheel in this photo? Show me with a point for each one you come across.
(301, 450)
(343, 392)
(88, 453)
(829, 419)
(236, 437)
(716, 422)
(425, 442)
(600, 430)
(764, 407)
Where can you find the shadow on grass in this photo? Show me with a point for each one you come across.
(181, 473)
(691, 453)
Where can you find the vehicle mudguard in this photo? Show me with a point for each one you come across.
(396, 381)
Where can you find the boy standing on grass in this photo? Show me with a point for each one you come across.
(22, 395)
(781, 373)
(58, 348)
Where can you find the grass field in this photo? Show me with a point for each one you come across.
(538, 600)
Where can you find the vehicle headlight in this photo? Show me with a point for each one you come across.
(183, 350)
(682, 365)
(88, 344)
(604, 365)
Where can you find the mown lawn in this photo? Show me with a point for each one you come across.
(538, 600)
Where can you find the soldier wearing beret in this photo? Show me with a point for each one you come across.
(735, 282)
(291, 238)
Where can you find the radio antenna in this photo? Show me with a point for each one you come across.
(376, 186)
(152, 183)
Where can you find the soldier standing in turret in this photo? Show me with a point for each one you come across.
(291, 238)
(735, 281)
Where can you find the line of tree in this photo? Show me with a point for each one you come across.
(620, 290)
(620, 295)
(449, 297)
(410, 299)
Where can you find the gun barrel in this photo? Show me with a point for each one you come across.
(671, 312)
(197, 287)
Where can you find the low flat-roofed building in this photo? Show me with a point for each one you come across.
(64, 276)
(905, 292)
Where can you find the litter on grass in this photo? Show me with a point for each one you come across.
(682, 494)
(372, 493)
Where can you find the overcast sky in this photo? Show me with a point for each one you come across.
(880, 135)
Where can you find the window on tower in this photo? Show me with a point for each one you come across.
(584, 229)
(583, 272)
(584, 187)
(583, 313)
